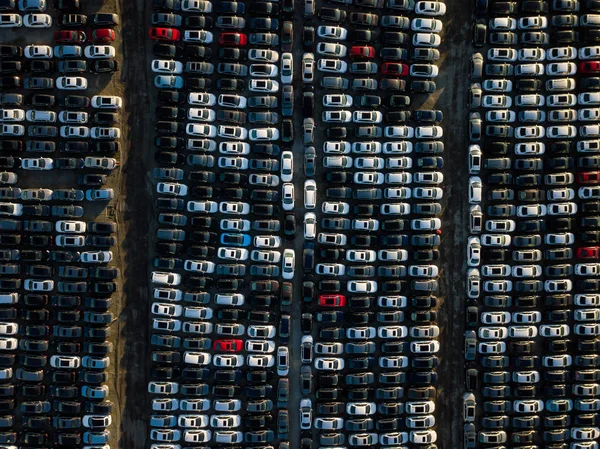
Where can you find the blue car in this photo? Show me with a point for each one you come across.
(235, 239)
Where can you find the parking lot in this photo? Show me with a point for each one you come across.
(532, 284)
(62, 379)
(421, 231)
(374, 346)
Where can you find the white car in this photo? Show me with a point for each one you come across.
(201, 6)
(362, 286)
(228, 360)
(423, 25)
(41, 163)
(73, 117)
(329, 364)
(199, 266)
(197, 358)
(337, 100)
(38, 285)
(533, 23)
(111, 133)
(310, 225)
(305, 413)
(165, 278)
(332, 66)
(106, 102)
(369, 178)
(225, 100)
(335, 207)
(399, 132)
(365, 256)
(102, 52)
(332, 32)
(287, 68)
(172, 188)
(263, 134)
(208, 207)
(271, 241)
(232, 253)
(199, 36)
(170, 310)
(430, 8)
(266, 256)
(310, 194)
(38, 52)
(288, 264)
(166, 66)
(283, 361)
(475, 189)
(233, 208)
(12, 115)
(71, 83)
(263, 85)
(287, 166)
(65, 362)
(96, 256)
(202, 114)
(264, 70)
(263, 55)
(202, 98)
(37, 21)
(427, 40)
(337, 116)
(370, 117)
(394, 208)
(329, 423)
(10, 21)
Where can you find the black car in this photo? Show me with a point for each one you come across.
(103, 20)
(199, 83)
(91, 180)
(197, 52)
(72, 21)
(11, 52)
(308, 38)
(72, 66)
(10, 82)
(104, 66)
(75, 102)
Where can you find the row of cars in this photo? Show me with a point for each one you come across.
(532, 304)
(372, 223)
(223, 266)
(55, 280)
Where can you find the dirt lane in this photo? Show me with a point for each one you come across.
(134, 353)
(452, 85)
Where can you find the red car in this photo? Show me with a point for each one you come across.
(588, 67)
(361, 51)
(69, 36)
(103, 35)
(394, 69)
(165, 34)
(589, 252)
(589, 177)
(233, 39)
(228, 345)
(332, 300)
